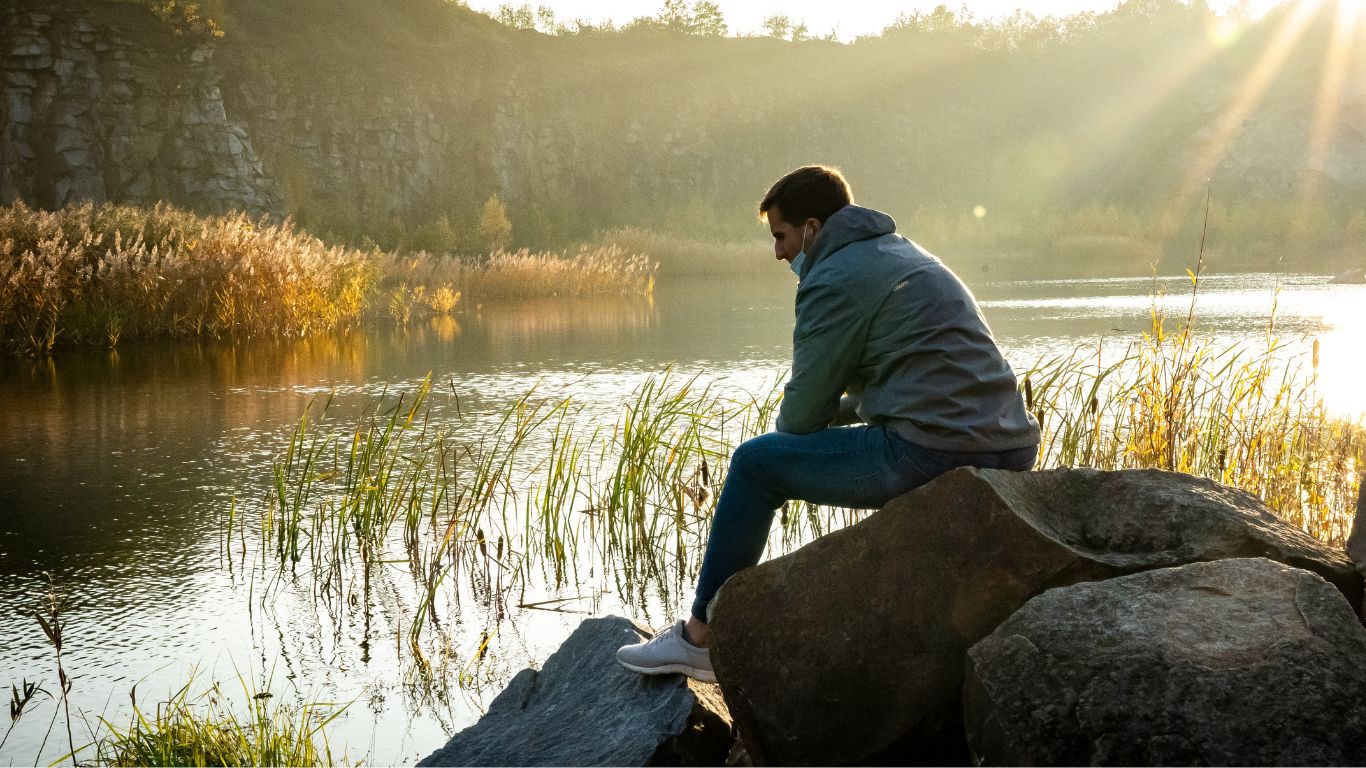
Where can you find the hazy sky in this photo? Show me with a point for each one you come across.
(850, 19)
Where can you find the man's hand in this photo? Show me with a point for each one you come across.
(848, 413)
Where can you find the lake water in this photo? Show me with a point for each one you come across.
(117, 470)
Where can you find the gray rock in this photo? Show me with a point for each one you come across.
(1235, 662)
(66, 139)
(583, 708)
(852, 649)
(1356, 540)
(19, 107)
(77, 158)
(20, 80)
(1349, 277)
(35, 46)
(32, 62)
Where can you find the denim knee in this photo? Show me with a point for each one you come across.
(748, 456)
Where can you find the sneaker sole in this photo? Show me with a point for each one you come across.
(701, 675)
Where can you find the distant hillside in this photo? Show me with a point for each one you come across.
(382, 119)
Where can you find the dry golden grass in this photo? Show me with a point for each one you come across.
(429, 280)
(97, 274)
(1181, 401)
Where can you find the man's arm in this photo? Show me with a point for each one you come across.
(827, 344)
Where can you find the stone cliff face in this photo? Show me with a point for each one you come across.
(359, 130)
(113, 106)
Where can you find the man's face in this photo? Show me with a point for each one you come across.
(787, 239)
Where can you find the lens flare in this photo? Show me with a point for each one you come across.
(1223, 31)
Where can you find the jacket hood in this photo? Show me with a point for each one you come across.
(849, 224)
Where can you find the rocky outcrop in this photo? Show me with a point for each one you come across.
(374, 117)
(583, 708)
(1236, 662)
(852, 649)
(116, 107)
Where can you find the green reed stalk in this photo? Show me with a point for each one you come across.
(207, 729)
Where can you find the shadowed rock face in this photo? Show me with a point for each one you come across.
(852, 649)
(583, 708)
(1235, 662)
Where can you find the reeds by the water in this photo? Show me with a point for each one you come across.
(98, 274)
(545, 497)
(1248, 418)
(606, 269)
(209, 728)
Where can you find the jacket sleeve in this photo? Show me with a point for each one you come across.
(827, 344)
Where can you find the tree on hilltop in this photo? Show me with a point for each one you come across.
(784, 28)
(702, 19)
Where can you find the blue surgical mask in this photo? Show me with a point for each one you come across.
(796, 264)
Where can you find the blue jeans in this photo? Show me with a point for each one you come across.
(861, 467)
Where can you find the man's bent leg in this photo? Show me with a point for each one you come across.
(859, 467)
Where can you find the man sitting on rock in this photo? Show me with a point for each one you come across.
(885, 336)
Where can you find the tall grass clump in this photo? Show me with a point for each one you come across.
(101, 273)
(1179, 401)
(211, 729)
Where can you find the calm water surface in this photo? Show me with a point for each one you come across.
(117, 469)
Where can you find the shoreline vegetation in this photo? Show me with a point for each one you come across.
(98, 274)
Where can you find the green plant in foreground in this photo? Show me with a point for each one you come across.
(208, 729)
(53, 626)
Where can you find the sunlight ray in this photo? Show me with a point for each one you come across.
(1230, 122)
(1125, 113)
(1337, 61)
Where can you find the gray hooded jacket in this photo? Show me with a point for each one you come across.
(886, 322)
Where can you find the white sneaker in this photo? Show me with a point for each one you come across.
(668, 653)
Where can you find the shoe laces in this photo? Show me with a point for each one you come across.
(660, 634)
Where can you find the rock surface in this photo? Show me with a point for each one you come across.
(107, 102)
(852, 649)
(1356, 540)
(1349, 277)
(582, 708)
(1236, 662)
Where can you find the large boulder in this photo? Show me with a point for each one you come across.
(852, 649)
(1356, 540)
(583, 708)
(1235, 662)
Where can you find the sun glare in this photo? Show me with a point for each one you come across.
(1348, 33)
(1348, 40)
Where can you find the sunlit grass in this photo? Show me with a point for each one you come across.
(605, 269)
(1247, 418)
(92, 274)
(217, 727)
(99, 274)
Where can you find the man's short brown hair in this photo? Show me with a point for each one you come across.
(810, 192)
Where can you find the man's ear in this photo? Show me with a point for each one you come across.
(817, 230)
